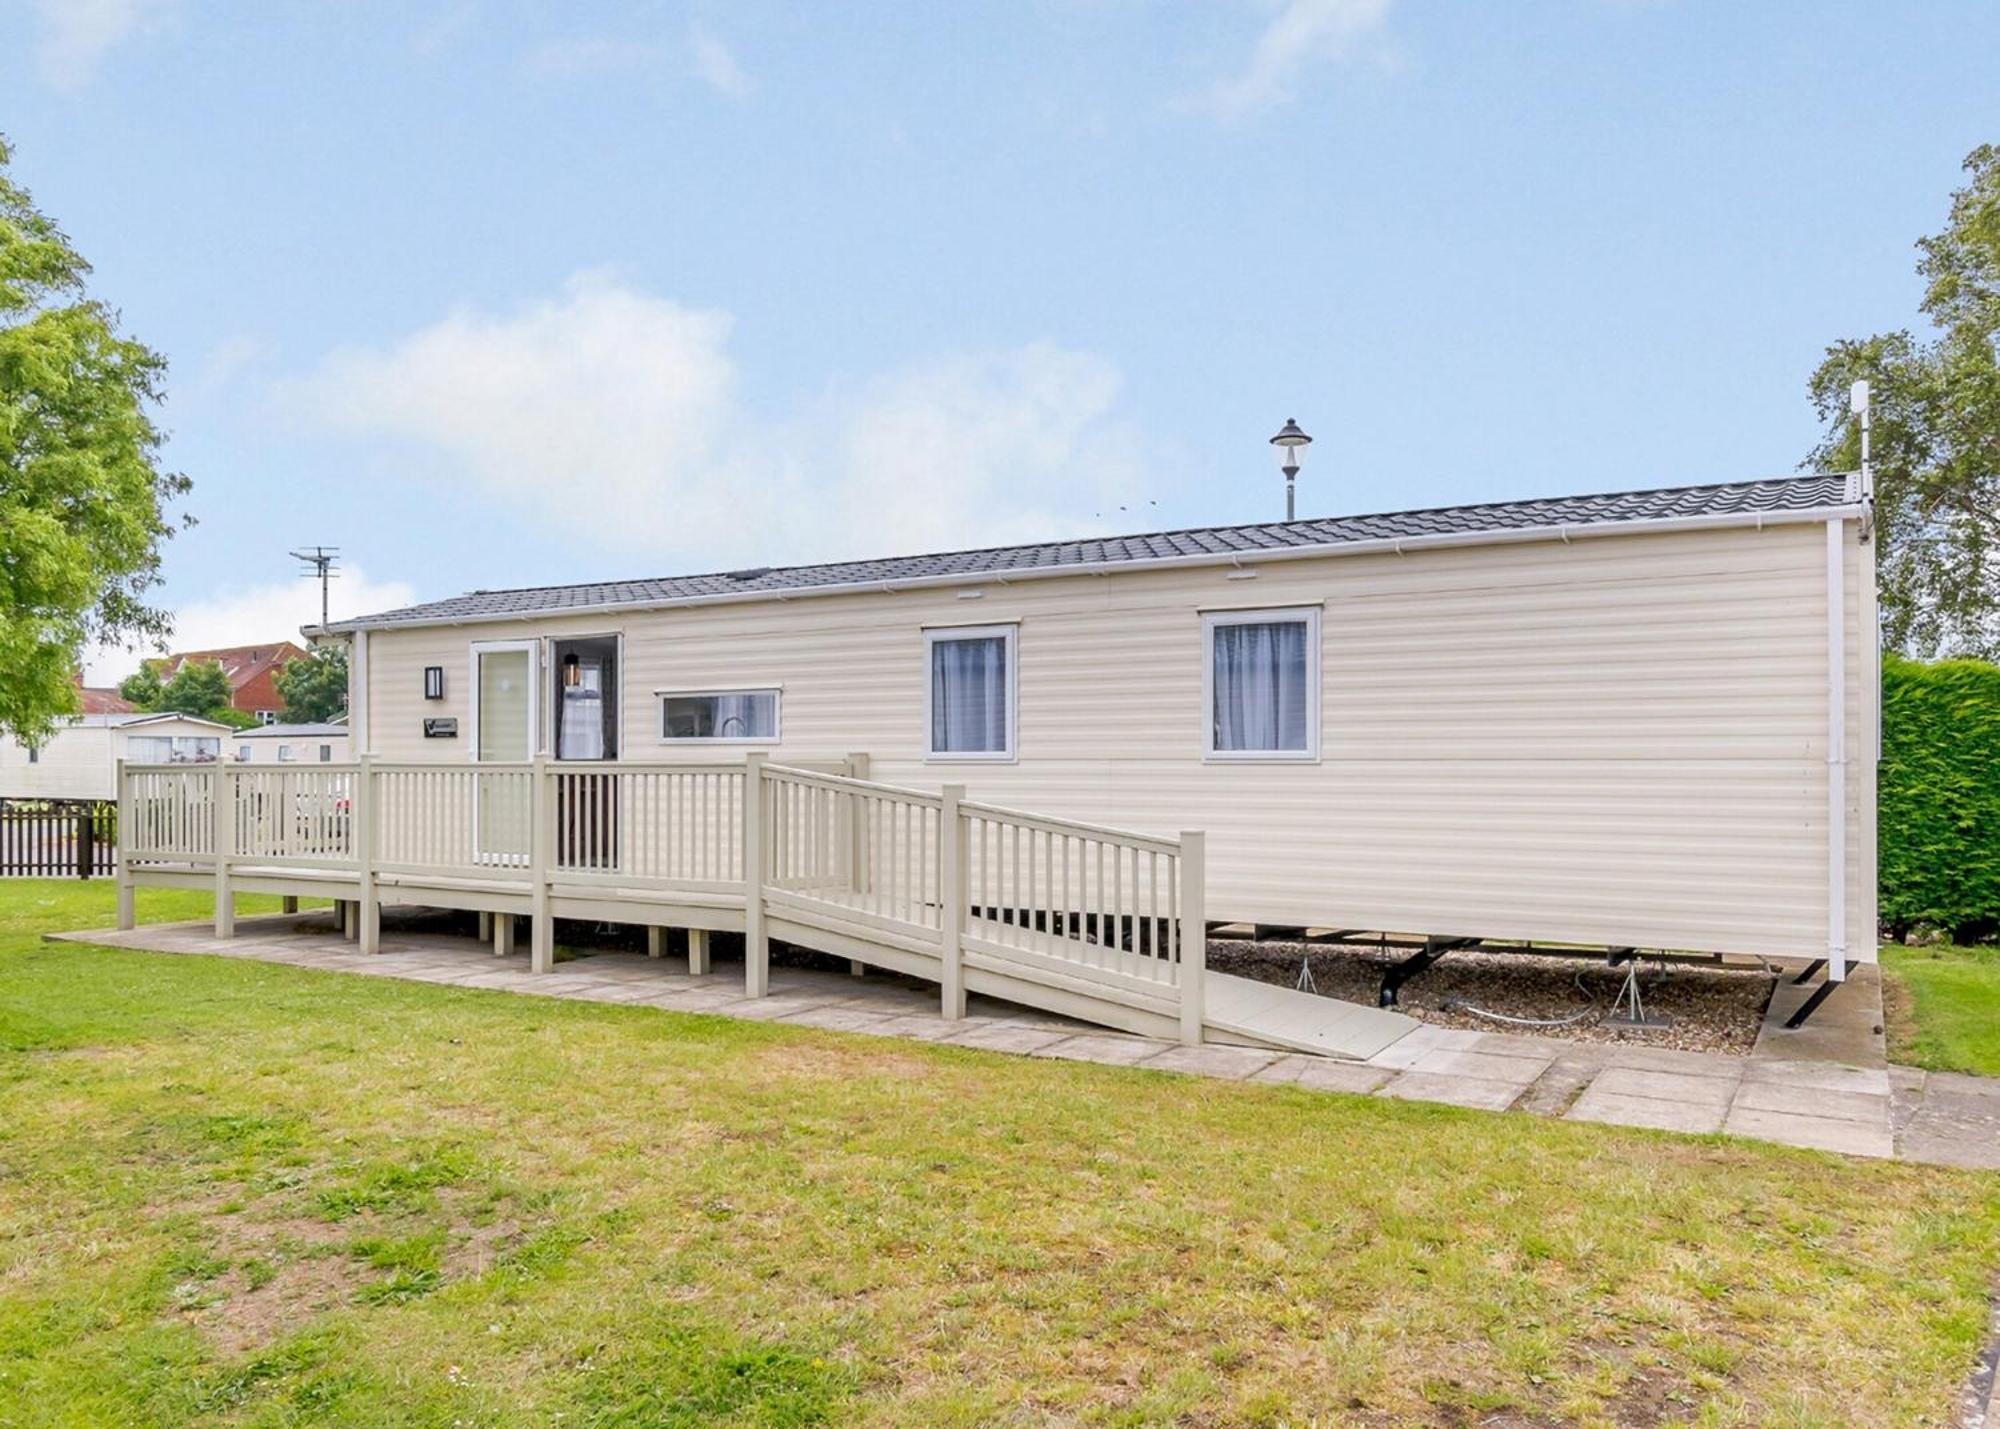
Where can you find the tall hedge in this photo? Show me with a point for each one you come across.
(1940, 797)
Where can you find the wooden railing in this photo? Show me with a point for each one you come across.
(1095, 912)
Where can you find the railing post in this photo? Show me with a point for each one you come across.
(364, 856)
(857, 829)
(541, 860)
(1193, 938)
(86, 839)
(951, 865)
(127, 912)
(223, 779)
(756, 946)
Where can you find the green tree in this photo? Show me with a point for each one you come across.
(142, 687)
(1936, 434)
(82, 497)
(197, 688)
(314, 687)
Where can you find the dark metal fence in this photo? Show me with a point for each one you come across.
(58, 838)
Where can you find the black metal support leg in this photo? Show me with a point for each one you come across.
(1812, 970)
(1396, 974)
(1810, 1006)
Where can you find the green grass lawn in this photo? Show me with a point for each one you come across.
(246, 1194)
(1944, 1007)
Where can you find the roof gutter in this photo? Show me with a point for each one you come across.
(1399, 545)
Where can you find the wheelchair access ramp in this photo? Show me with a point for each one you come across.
(1240, 1009)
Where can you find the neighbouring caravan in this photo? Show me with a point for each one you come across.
(291, 744)
(80, 760)
(1634, 720)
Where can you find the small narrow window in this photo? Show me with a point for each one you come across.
(326, 754)
(1263, 684)
(970, 697)
(34, 754)
(284, 754)
(242, 754)
(719, 716)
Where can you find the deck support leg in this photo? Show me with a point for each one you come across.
(656, 942)
(485, 927)
(756, 943)
(289, 903)
(697, 952)
(1811, 968)
(541, 863)
(1191, 937)
(503, 934)
(368, 907)
(128, 916)
(225, 846)
(856, 968)
(952, 885)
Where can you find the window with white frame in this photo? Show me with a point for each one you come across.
(326, 754)
(267, 717)
(970, 701)
(1263, 684)
(242, 754)
(719, 716)
(172, 749)
(284, 754)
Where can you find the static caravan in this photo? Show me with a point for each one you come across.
(80, 760)
(1634, 720)
(291, 744)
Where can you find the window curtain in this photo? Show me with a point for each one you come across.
(1260, 686)
(745, 716)
(969, 696)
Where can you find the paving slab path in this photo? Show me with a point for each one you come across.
(1828, 1088)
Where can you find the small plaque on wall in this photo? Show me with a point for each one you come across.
(440, 729)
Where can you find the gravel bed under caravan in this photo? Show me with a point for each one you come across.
(1714, 1008)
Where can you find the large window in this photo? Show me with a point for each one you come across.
(1263, 684)
(970, 705)
(172, 749)
(739, 716)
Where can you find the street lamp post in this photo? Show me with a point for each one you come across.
(1291, 443)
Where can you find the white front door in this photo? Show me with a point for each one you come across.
(503, 733)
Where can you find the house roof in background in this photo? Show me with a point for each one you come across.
(139, 717)
(92, 699)
(294, 731)
(1490, 520)
(241, 663)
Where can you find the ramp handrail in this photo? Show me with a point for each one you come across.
(1097, 911)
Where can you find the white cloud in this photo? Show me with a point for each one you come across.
(1302, 32)
(717, 66)
(76, 34)
(251, 615)
(614, 414)
(584, 56)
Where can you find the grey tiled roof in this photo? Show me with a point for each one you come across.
(1787, 493)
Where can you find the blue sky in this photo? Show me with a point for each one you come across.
(494, 293)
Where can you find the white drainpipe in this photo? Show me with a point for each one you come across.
(1836, 750)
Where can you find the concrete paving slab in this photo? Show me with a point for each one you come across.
(836, 1019)
(1670, 1059)
(1477, 1092)
(923, 1027)
(1111, 1049)
(1822, 1076)
(1321, 1074)
(1406, 1050)
(1004, 1037)
(1617, 1109)
(1487, 1066)
(1817, 1133)
(1867, 1108)
(1666, 1086)
(1232, 1064)
(1846, 1029)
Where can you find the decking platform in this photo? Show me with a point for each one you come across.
(1100, 925)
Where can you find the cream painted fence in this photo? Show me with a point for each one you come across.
(961, 888)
